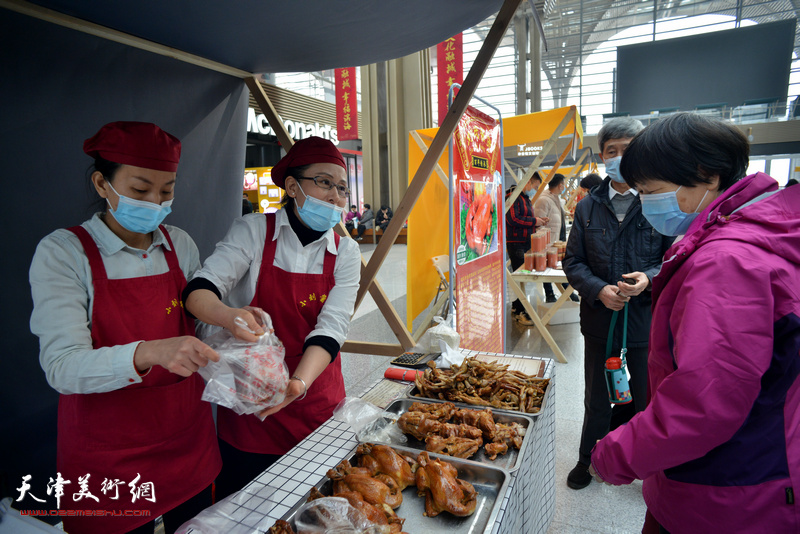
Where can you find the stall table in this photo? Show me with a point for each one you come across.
(555, 276)
(527, 506)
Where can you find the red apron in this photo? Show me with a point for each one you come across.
(158, 429)
(294, 302)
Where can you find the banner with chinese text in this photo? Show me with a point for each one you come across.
(346, 104)
(449, 69)
(478, 204)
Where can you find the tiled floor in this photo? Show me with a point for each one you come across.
(595, 509)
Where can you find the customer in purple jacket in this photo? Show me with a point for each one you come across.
(718, 446)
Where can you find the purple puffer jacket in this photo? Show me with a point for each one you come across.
(718, 446)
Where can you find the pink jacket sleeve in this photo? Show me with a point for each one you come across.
(722, 329)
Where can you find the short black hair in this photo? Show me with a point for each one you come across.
(687, 149)
(591, 180)
(353, 207)
(557, 180)
(368, 206)
(536, 176)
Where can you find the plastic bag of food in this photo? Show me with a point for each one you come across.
(232, 515)
(442, 332)
(334, 515)
(369, 422)
(249, 377)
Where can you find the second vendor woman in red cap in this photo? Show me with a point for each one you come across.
(295, 267)
(133, 434)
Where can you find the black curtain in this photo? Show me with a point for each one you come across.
(57, 87)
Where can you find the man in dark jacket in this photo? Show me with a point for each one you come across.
(610, 241)
(520, 224)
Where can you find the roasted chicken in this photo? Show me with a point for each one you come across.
(443, 491)
(453, 446)
(495, 448)
(482, 419)
(375, 490)
(383, 460)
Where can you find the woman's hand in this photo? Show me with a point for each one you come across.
(597, 477)
(631, 290)
(251, 317)
(611, 298)
(293, 390)
(180, 355)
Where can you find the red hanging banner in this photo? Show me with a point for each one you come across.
(346, 104)
(450, 69)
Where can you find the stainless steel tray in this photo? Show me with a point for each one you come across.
(413, 393)
(490, 483)
(510, 461)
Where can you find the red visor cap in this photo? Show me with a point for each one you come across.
(141, 144)
(305, 152)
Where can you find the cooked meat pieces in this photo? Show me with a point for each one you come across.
(418, 424)
(281, 527)
(483, 384)
(493, 449)
(453, 446)
(482, 419)
(443, 491)
(441, 411)
(448, 430)
(511, 434)
(375, 491)
(382, 459)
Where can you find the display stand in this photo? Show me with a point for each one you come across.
(528, 504)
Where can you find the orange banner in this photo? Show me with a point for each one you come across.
(449, 68)
(478, 204)
(346, 104)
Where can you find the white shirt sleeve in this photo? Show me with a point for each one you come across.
(61, 315)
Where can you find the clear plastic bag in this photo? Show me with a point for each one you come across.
(334, 515)
(442, 332)
(232, 515)
(249, 377)
(369, 422)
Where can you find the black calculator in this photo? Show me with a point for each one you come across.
(415, 360)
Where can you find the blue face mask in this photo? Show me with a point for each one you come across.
(137, 215)
(319, 215)
(612, 169)
(663, 212)
(530, 193)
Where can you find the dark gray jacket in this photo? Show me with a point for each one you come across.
(600, 250)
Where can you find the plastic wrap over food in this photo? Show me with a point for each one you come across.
(334, 515)
(249, 377)
(369, 422)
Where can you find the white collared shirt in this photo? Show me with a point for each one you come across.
(613, 192)
(63, 298)
(235, 265)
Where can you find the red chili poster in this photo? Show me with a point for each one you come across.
(346, 103)
(449, 69)
(479, 233)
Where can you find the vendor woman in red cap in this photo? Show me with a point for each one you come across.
(114, 341)
(295, 267)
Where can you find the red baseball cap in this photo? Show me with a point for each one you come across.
(141, 144)
(305, 152)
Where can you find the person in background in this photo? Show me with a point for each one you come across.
(367, 221)
(718, 446)
(351, 218)
(549, 205)
(520, 224)
(115, 343)
(610, 241)
(587, 183)
(384, 216)
(296, 268)
(791, 182)
(247, 206)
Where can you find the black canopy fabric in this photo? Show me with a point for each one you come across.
(298, 36)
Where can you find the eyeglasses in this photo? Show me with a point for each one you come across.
(325, 183)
